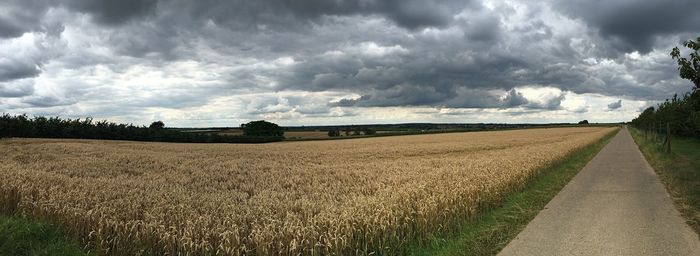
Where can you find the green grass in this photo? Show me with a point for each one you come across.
(493, 229)
(20, 236)
(679, 171)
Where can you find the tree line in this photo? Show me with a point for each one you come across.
(352, 132)
(21, 126)
(680, 114)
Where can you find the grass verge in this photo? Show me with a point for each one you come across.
(493, 229)
(20, 236)
(679, 171)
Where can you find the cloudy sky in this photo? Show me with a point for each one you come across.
(303, 62)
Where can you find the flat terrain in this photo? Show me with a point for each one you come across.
(305, 134)
(679, 171)
(323, 197)
(615, 206)
(287, 134)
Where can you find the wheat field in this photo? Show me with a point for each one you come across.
(339, 197)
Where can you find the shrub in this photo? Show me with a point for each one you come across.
(333, 133)
(262, 128)
(157, 125)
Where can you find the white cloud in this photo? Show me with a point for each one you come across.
(488, 61)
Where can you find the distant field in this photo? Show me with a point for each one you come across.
(373, 195)
(305, 134)
(287, 134)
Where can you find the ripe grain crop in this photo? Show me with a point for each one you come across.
(348, 197)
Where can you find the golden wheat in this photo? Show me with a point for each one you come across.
(313, 198)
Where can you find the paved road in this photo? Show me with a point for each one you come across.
(616, 205)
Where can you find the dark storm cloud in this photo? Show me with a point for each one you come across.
(459, 98)
(20, 16)
(10, 28)
(349, 102)
(634, 24)
(285, 14)
(482, 27)
(47, 101)
(263, 27)
(421, 75)
(477, 98)
(553, 103)
(408, 95)
(414, 77)
(615, 105)
(392, 53)
(112, 12)
(15, 69)
(514, 99)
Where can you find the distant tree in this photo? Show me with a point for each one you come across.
(262, 128)
(368, 131)
(55, 127)
(347, 131)
(583, 122)
(356, 132)
(689, 68)
(333, 133)
(681, 113)
(157, 125)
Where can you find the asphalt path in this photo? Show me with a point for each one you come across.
(616, 205)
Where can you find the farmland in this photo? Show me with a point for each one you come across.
(312, 134)
(314, 197)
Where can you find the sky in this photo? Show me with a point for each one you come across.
(332, 62)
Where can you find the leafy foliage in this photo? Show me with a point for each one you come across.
(157, 125)
(334, 133)
(689, 68)
(262, 128)
(681, 114)
(54, 127)
(368, 131)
